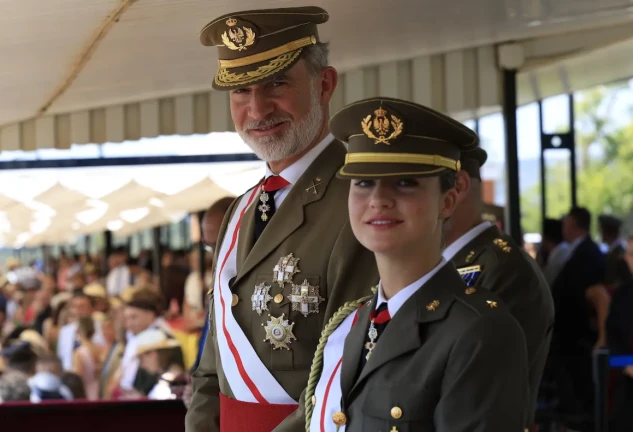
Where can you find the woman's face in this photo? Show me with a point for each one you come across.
(399, 215)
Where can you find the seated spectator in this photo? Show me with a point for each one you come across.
(88, 358)
(75, 384)
(14, 387)
(46, 384)
(160, 359)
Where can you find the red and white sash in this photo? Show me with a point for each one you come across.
(328, 390)
(248, 377)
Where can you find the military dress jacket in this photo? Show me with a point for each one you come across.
(452, 359)
(493, 261)
(312, 223)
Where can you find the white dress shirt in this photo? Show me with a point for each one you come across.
(450, 252)
(293, 173)
(396, 302)
(118, 280)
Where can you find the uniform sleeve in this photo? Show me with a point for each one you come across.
(484, 388)
(530, 302)
(204, 413)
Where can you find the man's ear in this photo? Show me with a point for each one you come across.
(462, 184)
(329, 81)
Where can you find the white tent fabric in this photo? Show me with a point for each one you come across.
(56, 206)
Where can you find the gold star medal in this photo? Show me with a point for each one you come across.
(305, 298)
(261, 297)
(279, 332)
(285, 270)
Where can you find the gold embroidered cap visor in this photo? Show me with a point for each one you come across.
(256, 45)
(389, 137)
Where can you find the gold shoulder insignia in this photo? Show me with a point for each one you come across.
(502, 244)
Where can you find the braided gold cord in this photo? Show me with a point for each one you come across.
(317, 364)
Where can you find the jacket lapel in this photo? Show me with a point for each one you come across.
(290, 214)
(353, 348)
(469, 253)
(246, 236)
(430, 303)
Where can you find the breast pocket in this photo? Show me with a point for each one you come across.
(304, 320)
(399, 407)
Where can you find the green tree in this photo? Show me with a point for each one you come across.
(604, 161)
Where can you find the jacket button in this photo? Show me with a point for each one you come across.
(339, 418)
(313, 400)
(396, 412)
(234, 300)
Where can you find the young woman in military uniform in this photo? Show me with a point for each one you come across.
(425, 352)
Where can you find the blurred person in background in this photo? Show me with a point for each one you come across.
(581, 305)
(88, 358)
(620, 341)
(555, 249)
(57, 320)
(81, 306)
(118, 278)
(115, 348)
(616, 248)
(160, 358)
(46, 384)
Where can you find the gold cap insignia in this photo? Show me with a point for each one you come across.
(502, 244)
(237, 38)
(433, 305)
(386, 130)
(279, 332)
(305, 298)
(285, 270)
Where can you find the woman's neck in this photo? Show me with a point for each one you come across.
(398, 272)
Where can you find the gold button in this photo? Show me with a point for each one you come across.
(339, 418)
(235, 300)
(279, 298)
(313, 400)
(396, 412)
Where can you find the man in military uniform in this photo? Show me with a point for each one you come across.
(286, 258)
(610, 233)
(491, 260)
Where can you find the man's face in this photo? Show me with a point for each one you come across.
(80, 307)
(137, 320)
(280, 118)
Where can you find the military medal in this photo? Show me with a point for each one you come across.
(373, 334)
(264, 207)
(261, 297)
(279, 332)
(285, 269)
(305, 298)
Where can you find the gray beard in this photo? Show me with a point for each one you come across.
(293, 141)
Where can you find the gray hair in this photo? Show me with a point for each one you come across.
(316, 57)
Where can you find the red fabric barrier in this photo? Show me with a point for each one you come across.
(237, 416)
(86, 416)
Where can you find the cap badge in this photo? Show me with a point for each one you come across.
(385, 129)
(234, 40)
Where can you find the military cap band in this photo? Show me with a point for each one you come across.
(267, 55)
(393, 137)
(404, 158)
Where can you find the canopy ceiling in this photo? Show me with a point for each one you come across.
(56, 206)
(78, 72)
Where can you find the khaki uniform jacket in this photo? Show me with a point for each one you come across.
(514, 276)
(315, 228)
(450, 360)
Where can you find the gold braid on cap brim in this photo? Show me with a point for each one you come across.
(317, 363)
(225, 78)
(404, 158)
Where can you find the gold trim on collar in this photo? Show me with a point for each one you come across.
(267, 55)
(409, 158)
